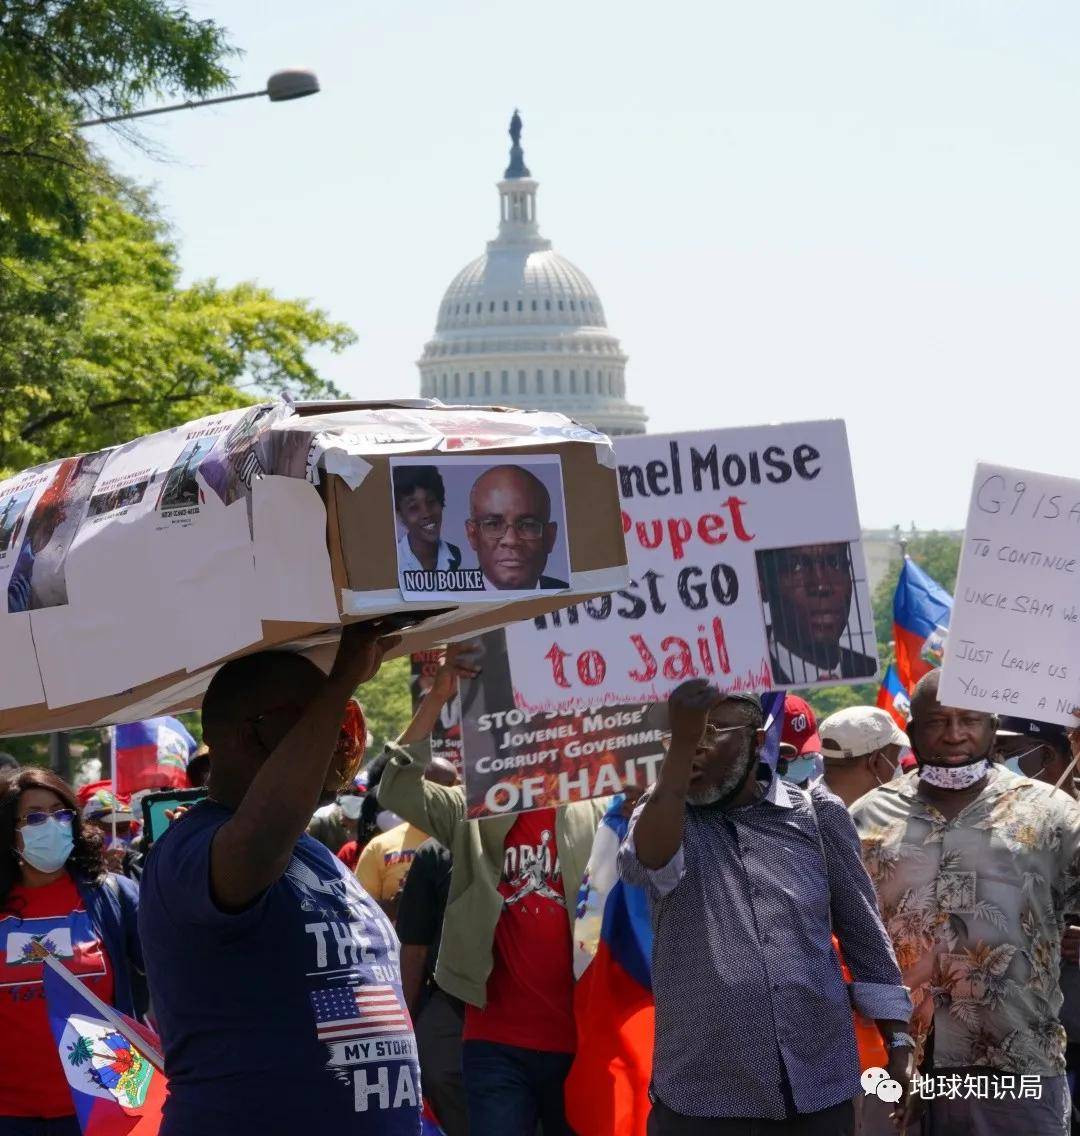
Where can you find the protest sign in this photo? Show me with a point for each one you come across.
(746, 568)
(1014, 638)
(445, 737)
(128, 575)
(516, 760)
(473, 529)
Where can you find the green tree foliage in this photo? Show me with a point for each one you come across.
(64, 60)
(828, 699)
(387, 702)
(937, 554)
(98, 344)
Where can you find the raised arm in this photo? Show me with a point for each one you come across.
(251, 850)
(456, 663)
(658, 833)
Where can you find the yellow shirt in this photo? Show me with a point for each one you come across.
(385, 862)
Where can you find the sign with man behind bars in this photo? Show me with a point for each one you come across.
(746, 568)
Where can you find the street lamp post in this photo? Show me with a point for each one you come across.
(281, 87)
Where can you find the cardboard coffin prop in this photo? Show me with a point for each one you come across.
(129, 575)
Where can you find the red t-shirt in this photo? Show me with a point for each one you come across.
(530, 992)
(50, 920)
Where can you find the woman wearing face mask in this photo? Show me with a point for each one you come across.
(351, 805)
(56, 897)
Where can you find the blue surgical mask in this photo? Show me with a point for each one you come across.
(47, 846)
(1012, 764)
(801, 769)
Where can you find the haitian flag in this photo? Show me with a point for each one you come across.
(607, 1090)
(429, 1126)
(921, 611)
(152, 754)
(894, 698)
(112, 1064)
(772, 705)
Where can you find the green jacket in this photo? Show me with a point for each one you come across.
(474, 906)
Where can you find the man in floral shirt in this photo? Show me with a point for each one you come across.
(975, 869)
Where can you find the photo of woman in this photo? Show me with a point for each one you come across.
(419, 500)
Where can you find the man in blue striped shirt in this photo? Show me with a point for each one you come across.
(748, 878)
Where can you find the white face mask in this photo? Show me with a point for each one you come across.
(955, 777)
(351, 805)
(896, 774)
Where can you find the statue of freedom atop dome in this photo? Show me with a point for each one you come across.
(517, 167)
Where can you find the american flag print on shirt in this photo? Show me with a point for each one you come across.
(358, 1011)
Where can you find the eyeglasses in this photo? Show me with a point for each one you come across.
(713, 734)
(64, 816)
(528, 528)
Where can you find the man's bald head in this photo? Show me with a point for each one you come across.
(515, 480)
(245, 690)
(925, 693)
(947, 735)
(510, 527)
(442, 772)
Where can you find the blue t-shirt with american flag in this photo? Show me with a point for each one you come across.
(285, 1018)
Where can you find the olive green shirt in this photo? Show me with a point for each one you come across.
(474, 904)
(975, 907)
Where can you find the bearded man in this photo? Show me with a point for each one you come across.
(747, 877)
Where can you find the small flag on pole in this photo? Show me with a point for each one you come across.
(921, 611)
(112, 1063)
(894, 698)
(152, 754)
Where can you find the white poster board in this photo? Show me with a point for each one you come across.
(1014, 637)
(746, 568)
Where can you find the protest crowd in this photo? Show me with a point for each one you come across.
(865, 924)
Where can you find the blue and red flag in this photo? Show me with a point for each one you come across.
(607, 1091)
(921, 611)
(152, 754)
(112, 1063)
(429, 1126)
(772, 705)
(894, 698)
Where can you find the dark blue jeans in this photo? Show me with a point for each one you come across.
(510, 1089)
(30, 1126)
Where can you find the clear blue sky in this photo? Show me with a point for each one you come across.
(852, 209)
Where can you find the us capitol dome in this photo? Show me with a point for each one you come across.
(522, 326)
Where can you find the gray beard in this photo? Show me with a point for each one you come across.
(729, 784)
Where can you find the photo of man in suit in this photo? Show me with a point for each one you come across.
(807, 592)
(511, 531)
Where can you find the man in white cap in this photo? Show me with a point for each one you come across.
(862, 747)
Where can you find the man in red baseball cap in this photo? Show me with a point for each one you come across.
(800, 745)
